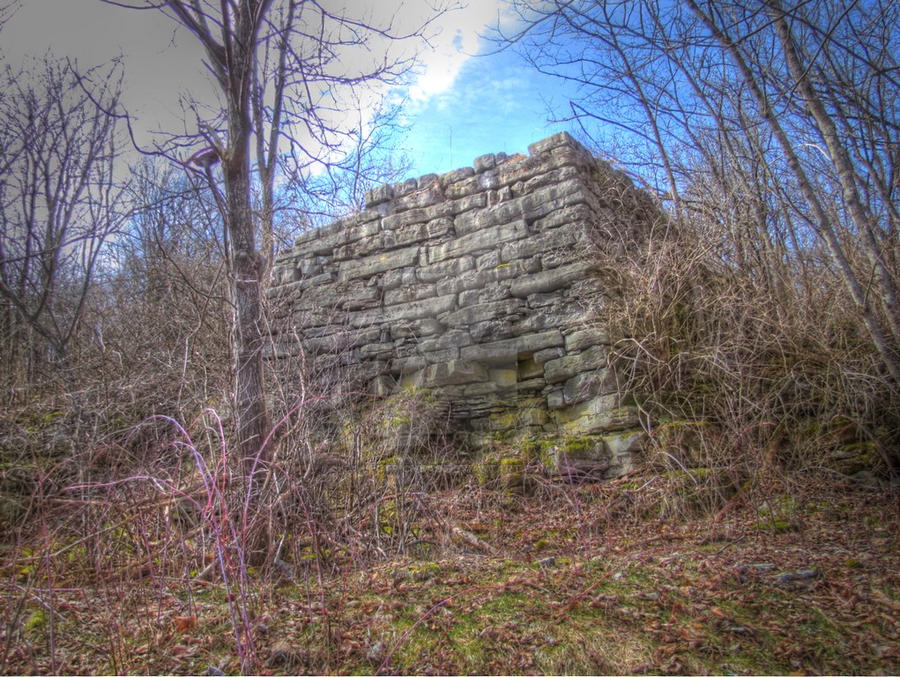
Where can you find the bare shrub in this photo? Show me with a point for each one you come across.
(739, 376)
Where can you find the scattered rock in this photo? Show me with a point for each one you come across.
(802, 576)
(760, 567)
(375, 652)
(285, 655)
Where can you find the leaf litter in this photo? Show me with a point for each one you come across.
(563, 585)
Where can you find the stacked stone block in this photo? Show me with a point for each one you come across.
(478, 285)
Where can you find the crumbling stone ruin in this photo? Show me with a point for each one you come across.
(478, 285)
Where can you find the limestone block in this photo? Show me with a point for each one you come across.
(477, 241)
(465, 317)
(531, 386)
(585, 338)
(415, 292)
(456, 175)
(625, 444)
(544, 356)
(489, 260)
(454, 372)
(533, 172)
(316, 298)
(358, 231)
(415, 328)
(545, 301)
(391, 279)
(491, 330)
(413, 310)
(542, 319)
(407, 235)
(480, 389)
(504, 378)
(442, 356)
(492, 292)
(376, 350)
(325, 278)
(378, 195)
(408, 277)
(405, 187)
(505, 212)
(562, 256)
(484, 162)
(558, 170)
(542, 243)
(601, 414)
(305, 237)
(578, 213)
(379, 263)
(503, 195)
(550, 198)
(566, 367)
(550, 280)
(589, 384)
(316, 318)
(462, 188)
(418, 309)
(407, 218)
(555, 141)
(359, 298)
(465, 204)
(445, 269)
(448, 339)
(555, 400)
(432, 194)
(403, 366)
(382, 386)
(529, 369)
(478, 279)
(487, 180)
(511, 350)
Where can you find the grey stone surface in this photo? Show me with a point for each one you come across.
(477, 284)
(568, 366)
(511, 350)
(550, 280)
(378, 263)
(480, 240)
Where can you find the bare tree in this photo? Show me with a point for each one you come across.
(282, 71)
(786, 111)
(7, 9)
(59, 204)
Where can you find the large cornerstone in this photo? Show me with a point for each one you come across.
(480, 286)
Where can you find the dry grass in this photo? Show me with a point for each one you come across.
(574, 586)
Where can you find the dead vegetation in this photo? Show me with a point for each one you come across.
(775, 584)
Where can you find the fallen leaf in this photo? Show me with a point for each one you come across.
(185, 623)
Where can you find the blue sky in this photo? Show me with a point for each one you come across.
(460, 106)
(497, 104)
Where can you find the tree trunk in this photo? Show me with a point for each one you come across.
(247, 269)
(844, 167)
(825, 227)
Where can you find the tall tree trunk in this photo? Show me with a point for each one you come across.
(840, 158)
(247, 265)
(825, 228)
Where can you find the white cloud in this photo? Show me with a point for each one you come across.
(458, 40)
(163, 63)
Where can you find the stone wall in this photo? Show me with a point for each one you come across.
(479, 285)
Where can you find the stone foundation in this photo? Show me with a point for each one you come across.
(478, 285)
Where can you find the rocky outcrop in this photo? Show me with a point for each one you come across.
(479, 285)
